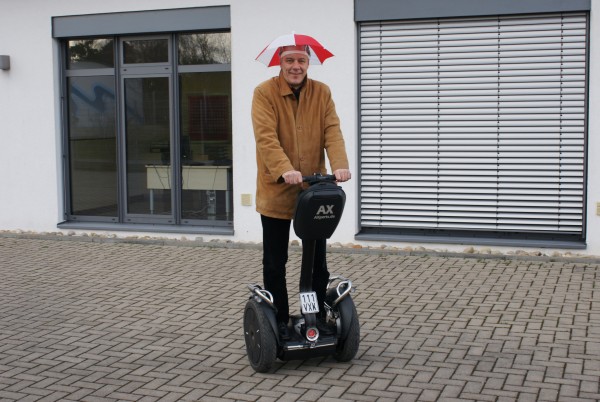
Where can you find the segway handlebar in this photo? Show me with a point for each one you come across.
(318, 177)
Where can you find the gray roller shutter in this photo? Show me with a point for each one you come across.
(474, 124)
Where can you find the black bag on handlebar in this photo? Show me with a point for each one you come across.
(319, 210)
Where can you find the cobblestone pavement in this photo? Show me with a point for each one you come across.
(105, 321)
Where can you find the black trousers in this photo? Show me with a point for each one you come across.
(276, 235)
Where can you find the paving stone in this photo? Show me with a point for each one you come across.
(98, 321)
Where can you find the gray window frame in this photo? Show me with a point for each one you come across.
(127, 25)
(374, 10)
(392, 10)
(142, 22)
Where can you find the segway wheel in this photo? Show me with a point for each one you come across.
(348, 345)
(261, 345)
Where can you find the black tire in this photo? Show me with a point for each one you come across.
(261, 344)
(348, 347)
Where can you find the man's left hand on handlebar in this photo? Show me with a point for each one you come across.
(342, 175)
(292, 177)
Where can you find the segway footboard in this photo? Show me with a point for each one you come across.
(298, 349)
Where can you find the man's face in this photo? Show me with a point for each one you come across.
(294, 67)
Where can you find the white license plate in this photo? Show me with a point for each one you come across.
(308, 302)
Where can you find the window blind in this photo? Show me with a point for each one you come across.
(474, 123)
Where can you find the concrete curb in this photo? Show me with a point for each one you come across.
(333, 248)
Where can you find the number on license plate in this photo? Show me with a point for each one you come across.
(308, 302)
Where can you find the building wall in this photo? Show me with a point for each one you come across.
(333, 24)
(593, 173)
(31, 195)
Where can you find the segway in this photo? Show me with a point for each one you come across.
(318, 212)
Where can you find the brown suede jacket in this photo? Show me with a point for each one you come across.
(292, 135)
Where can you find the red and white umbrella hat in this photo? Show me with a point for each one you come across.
(270, 54)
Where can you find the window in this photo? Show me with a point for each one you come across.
(474, 126)
(145, 51)
(92, 136)
(148, 133)
(205, 121)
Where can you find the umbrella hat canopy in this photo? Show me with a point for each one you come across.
(270, 54)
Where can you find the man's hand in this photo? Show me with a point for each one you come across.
(342, 175)
(292, 177)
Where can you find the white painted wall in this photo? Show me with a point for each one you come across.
(333, 25)
(593, 185)
(28, 184)
(30, 137)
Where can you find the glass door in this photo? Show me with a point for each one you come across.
(147, 119)
(146, 83)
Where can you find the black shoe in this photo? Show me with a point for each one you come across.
(284, 332)
(324, 327)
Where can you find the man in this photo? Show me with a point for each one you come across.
(294, 122)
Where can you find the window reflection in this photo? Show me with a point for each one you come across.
(205, 48)
(92, 146)
(90, 53)
(147, 126)
(136, 51)
(206, 145)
